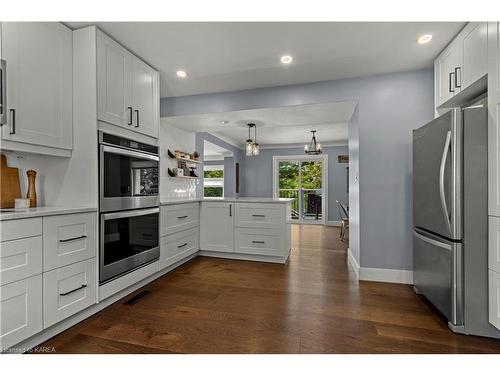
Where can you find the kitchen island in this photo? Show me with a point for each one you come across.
(248, 228)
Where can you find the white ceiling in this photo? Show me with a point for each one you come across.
(225, 56)
(214, 152)
(275, 126)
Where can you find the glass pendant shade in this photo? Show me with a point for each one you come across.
(256, 149)
(249, 147)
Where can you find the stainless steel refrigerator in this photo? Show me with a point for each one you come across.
(450, 217)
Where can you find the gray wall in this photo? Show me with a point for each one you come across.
(389, 107)
(229, 163)
(257, 176)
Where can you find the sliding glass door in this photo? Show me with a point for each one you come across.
(303, 180)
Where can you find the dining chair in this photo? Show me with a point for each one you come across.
(344, 218)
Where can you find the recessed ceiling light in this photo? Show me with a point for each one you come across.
(181, 74)
(426, 38)
(286, 59)
(224, 122)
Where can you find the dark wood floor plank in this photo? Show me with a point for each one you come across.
(313, 304)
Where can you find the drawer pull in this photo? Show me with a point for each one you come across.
(74, 290)
(73, 239)
(258, 215)
(258, 241)
(184, 244)
(182, 217)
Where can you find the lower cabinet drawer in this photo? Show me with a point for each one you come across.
(20, 259)
(68, 290)
(178, 246)
(20, 311)
(68, 239)
(258, 241)
(179, 217)
(257, 215)
(494, 298)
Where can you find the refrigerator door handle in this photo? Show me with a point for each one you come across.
(442, 168)
(432, 241)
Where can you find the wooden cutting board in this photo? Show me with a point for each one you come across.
(10, 188)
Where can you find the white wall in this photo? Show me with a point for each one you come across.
(175, 139)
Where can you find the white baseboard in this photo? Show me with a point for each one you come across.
(386, 275)
(334, 223)
(379, 274)
(353, 262)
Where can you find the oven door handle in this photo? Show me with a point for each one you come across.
(122, 214)
(124, 152)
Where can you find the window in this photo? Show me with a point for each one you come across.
(213, 181)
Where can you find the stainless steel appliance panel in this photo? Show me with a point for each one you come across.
(437, 273)
(129, 239)
(437, 160)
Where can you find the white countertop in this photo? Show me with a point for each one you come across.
(230, 199)
(23, 213)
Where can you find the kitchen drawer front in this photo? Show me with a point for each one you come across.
(20, 259)
(68, 290)
(20, 310)
(494, 298)
(22, 228)
(258, 241)
(68, 239)
(179, 217)
(250, 215)
(178, 246)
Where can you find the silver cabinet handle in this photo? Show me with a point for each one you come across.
(457, 71)
(73, 239)
(258, 215)
(136, 117)
(12, 121)
(74, 290)
(442, 168)
(450, 81)
(3, 92)
(184, 244)
(129, 115)
(258, 241)
(182, 217)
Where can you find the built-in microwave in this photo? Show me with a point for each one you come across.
(128, 174)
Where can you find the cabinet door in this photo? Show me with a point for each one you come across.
(145, 98)
(39, 59)
(494, 244)
(444, 68)
(216, 226)
(178, 246)
(475, 54)
(494, 298)
(114, 82)
(20, 310)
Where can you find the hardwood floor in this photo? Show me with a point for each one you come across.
(313, 304)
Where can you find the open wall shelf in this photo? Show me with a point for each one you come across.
(173, 175)
(173, 157)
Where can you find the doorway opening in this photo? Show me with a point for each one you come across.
(304, 179)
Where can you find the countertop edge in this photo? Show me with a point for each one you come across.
(232, 200)
(44, 211)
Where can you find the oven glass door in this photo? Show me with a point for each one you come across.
(129, 179)
(129, 239)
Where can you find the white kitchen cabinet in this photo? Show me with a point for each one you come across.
(445, 67)
(216, 226)
(68, 290)
(493, 119)
(494, 298)
(128, 92)
(20, 259)
(494, 244)
(114, 82)
(178, 246)
(39, 60)
(68, 239)
(20, 310)
(267, 216)
(475, 54)
(179, 217)
(269, 242)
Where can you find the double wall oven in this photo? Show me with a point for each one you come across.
(128, 205)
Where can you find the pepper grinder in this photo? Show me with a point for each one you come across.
(31, 187)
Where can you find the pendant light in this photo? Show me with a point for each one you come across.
(252, 147)
(313, 148)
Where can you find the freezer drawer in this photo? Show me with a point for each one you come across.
(437, 274)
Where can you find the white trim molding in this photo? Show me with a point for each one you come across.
(384, 275)
(353, 262)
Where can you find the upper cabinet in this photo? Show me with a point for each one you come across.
(38, 85)
(128, 89)
(459, 68)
